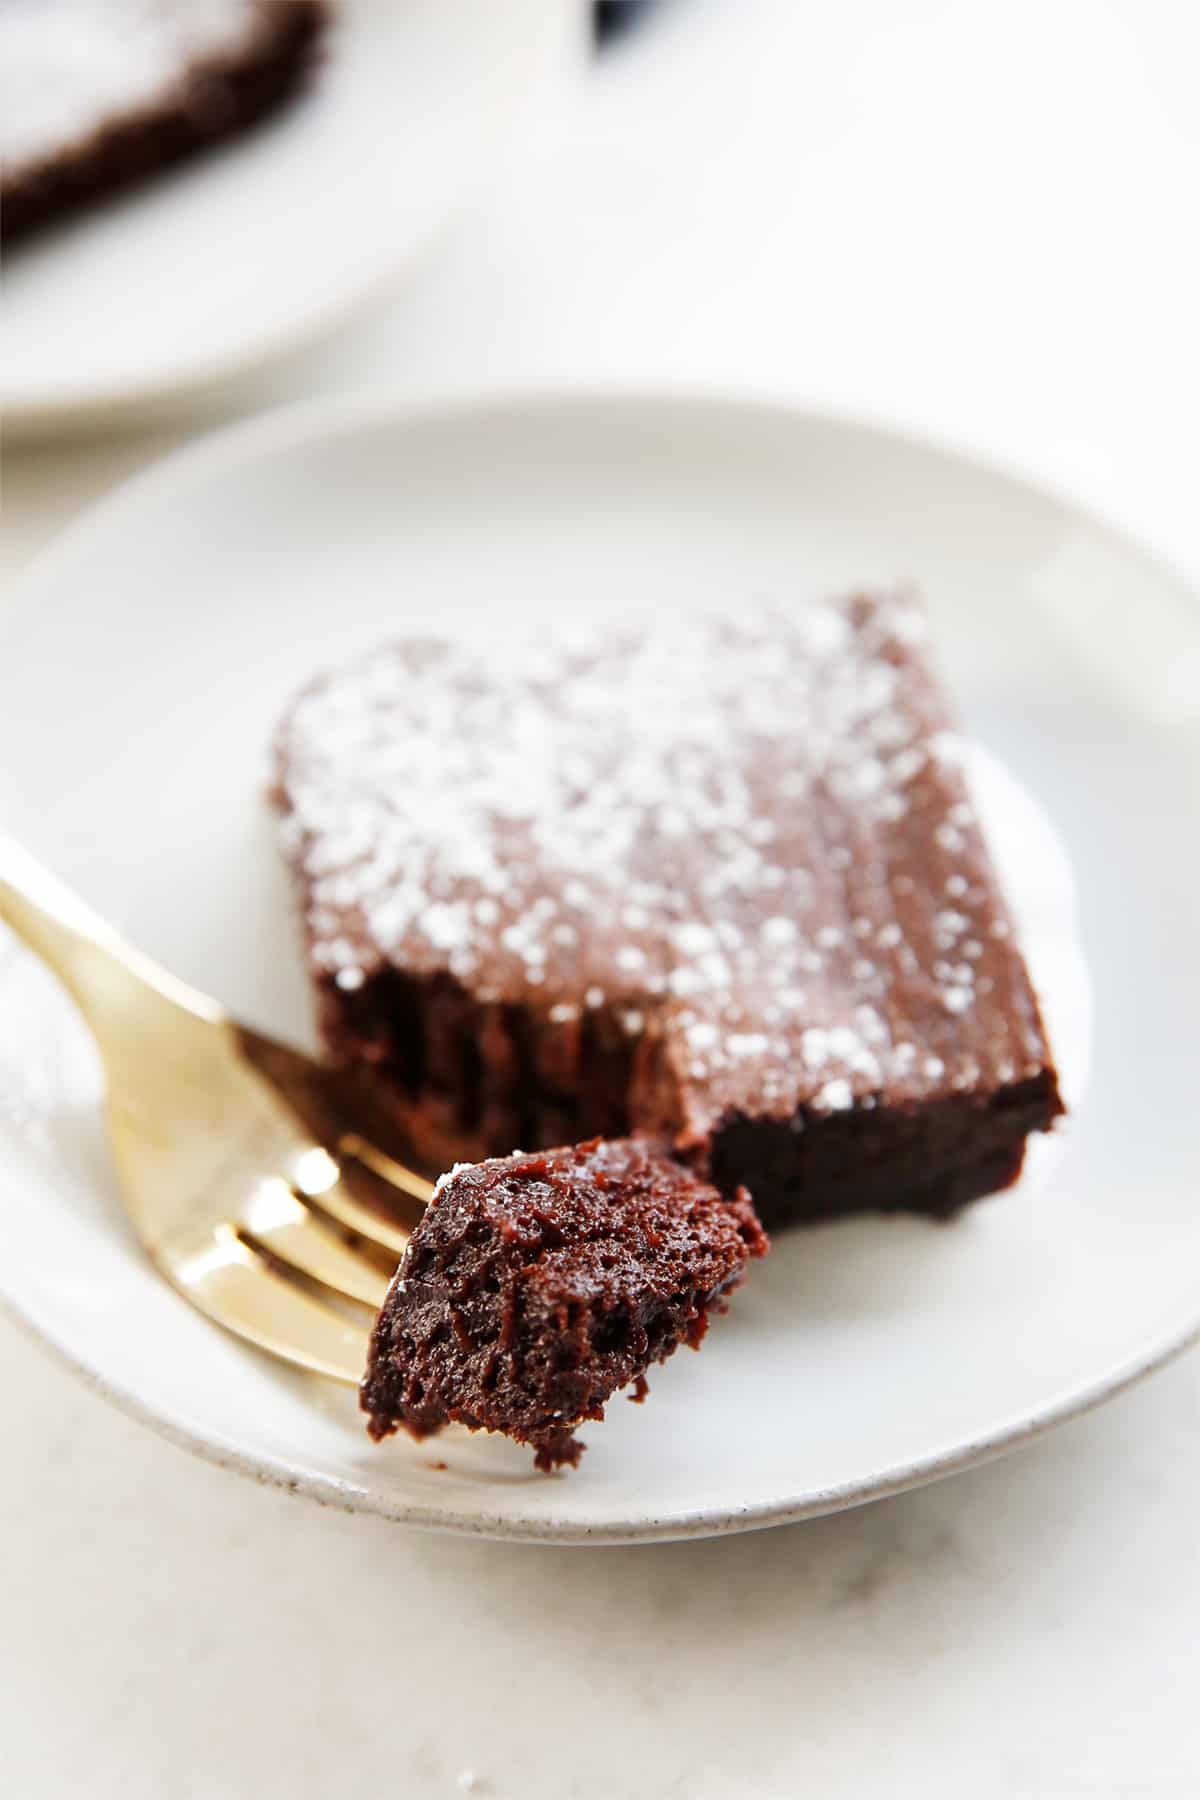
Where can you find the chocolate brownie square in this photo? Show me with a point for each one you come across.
(718, 879)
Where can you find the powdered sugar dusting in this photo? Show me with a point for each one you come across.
(661, 820)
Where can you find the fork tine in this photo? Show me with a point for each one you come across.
(404, 1179)
(240, 1290)
(283, 1225)
(363, 1220)
(205, 1114)
(315, 1175)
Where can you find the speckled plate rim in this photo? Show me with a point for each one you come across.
(269, 1471)
(295, 426)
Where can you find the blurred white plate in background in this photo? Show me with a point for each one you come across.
(142, 668)
(211, 270)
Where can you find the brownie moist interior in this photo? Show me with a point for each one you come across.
(534, 1287)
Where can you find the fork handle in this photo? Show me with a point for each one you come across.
(93, 963)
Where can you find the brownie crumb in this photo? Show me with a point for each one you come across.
(536, 1286)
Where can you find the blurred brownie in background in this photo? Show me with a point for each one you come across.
(96, 95)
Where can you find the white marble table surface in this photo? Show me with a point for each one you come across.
(977, 220)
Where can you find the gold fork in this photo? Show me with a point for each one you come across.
(253, 1176)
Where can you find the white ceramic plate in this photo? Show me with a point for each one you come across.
(220, 267)
(141, 669)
